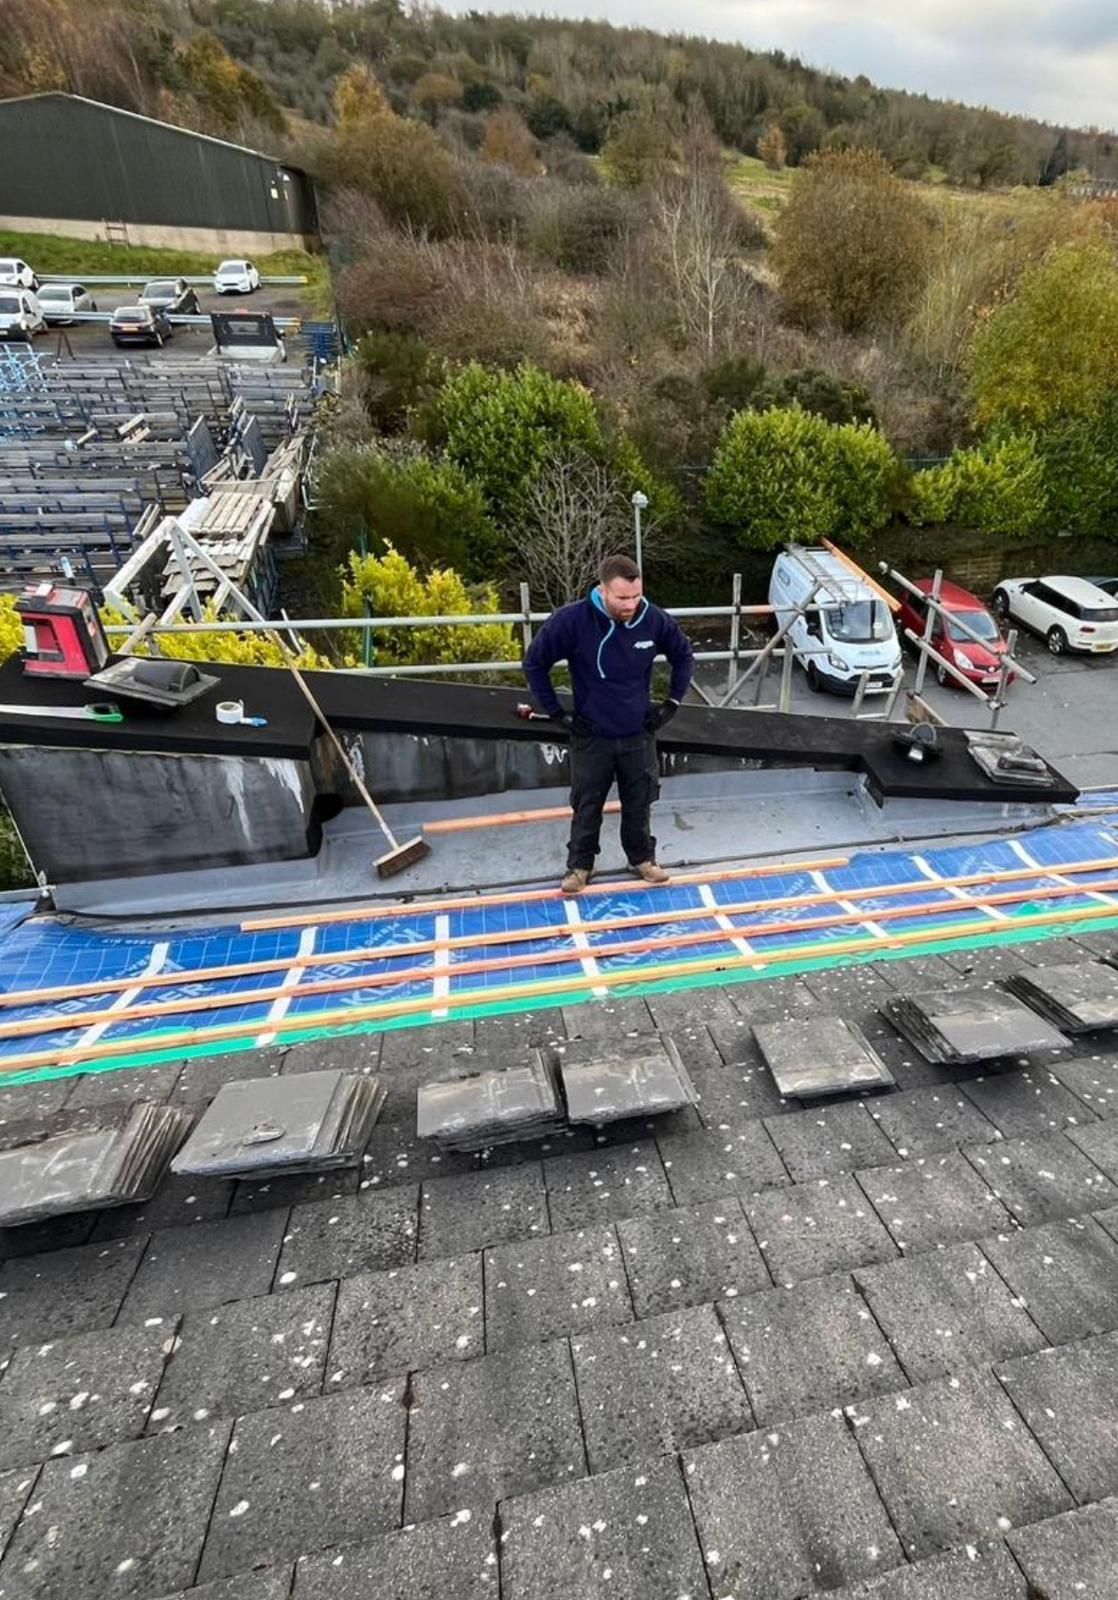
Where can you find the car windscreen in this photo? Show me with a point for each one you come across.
(9, 305)
(131, 314)
(980, 622)
(859, 622)
(160, 291)
(234, 268)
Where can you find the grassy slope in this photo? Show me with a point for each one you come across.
(52, 254)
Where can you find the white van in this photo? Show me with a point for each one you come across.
(21, 315)
(852, 632)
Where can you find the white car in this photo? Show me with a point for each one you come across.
(59, 301)
(17, 272)
(1068, 613)
(236, 277)
(21, 316)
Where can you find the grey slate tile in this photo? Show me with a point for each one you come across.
(954, 1464)
(334, 1239)
(30, 1102)
(1026, 1104)
(177, 1201)
(947, 1311)
(691, 1256)
(915, 974)
(711, 1165)
(306, 1476)
(452, 1559)
(1041, 1180)
(933, 1201)
(340, 1052)
(666, 1385)
(604, 1184)
(292, 1189)
(125, 1086)
(808, 1349)
(1065, 1272)
(482, 1208)
(926, 1122)
(200, 1078)
(841, 990)
(1067, 1398)
(479, 1431)
(823, 1056)
(980, 1572)
(395, 1156)
(80, 1393)
(514, 1030)
(185, 1269)
(1100, 1144)
(628, 1533)
(827, 1140)
(810, 1230)
(93, 1532)
(65, 1291)
(735, 1095)
(1073, 1557)
(407, 1317)
(58, 1233)
(681, 1009)
(607, 1019)
(543, 1288)
(782, 1514)
(15, 1488)
(771, 997)
(272, 1584)
(245, 1356)
(1093, 1081)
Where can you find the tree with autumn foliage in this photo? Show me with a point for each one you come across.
(509, 143)
(852, 244)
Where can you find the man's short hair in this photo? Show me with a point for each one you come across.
(618, 567)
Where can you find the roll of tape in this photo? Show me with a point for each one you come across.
(230, 711)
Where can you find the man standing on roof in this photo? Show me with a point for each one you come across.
(609, 641)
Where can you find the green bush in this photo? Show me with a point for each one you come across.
(399, 372)
(500, 427)
(998, 489)
(785, 474)
(389, 586)
(428, 510)
(1081, 474)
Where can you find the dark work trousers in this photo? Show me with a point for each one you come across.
(595, 764)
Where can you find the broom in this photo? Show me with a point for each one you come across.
(398, 856)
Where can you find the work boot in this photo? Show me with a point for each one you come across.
(576, 880)
(650, 872)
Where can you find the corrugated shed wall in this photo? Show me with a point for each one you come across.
(68, 157)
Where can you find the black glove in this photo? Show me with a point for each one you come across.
(564, 718)
(659, 715)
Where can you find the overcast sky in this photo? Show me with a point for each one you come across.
(1055, 59)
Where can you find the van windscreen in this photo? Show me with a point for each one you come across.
(860, 622)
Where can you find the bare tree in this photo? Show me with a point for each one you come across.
(576, 514)
(698, 230)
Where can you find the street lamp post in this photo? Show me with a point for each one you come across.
(639, 503)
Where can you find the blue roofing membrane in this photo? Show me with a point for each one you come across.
(40, 952)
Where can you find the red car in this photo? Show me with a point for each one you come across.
(981, 663)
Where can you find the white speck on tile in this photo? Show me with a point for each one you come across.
(239, 1509)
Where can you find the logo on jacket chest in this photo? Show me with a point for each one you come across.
(643, 644)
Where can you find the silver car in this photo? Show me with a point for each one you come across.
(60, 301)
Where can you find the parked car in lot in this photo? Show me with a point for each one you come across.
(1068, 613)
(236, 277)
(139, 325)
(17, 272)
(21, 316)
(60, 301)
(980, 662)
(174, 296)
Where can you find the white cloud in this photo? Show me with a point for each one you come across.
(1055, 59)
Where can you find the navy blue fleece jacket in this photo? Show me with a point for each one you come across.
(610, 663)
